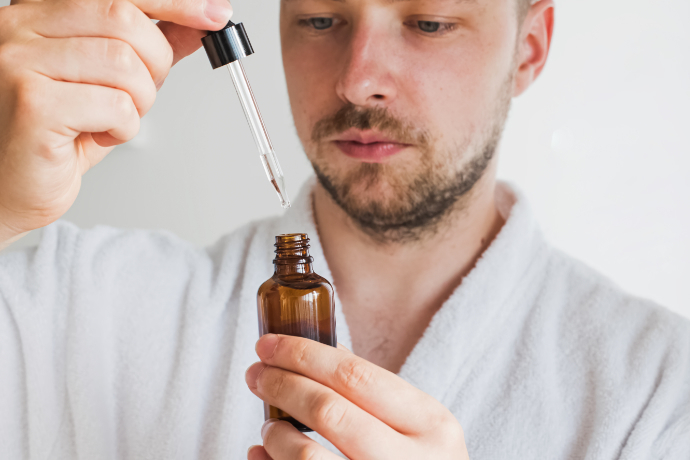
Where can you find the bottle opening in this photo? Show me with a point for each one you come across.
(292, 237)
(292, 248)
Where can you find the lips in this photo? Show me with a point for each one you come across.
(367, 146)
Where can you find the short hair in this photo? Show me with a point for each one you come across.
(523, 8)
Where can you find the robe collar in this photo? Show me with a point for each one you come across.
(477, 311)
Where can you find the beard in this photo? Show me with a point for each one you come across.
(406, 202)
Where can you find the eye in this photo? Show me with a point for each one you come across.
(321, 23)
(433, 28)
(429, 26)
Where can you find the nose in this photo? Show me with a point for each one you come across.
(367, 79)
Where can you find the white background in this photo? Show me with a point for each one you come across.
(599, 145)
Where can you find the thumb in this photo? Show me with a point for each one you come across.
(198, 14)
(183, 40)
(343, 347)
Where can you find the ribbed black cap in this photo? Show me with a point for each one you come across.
(227, 45)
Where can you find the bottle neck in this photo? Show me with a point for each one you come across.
(293, 269)
(292, 255)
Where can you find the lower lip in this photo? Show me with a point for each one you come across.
(370, 153)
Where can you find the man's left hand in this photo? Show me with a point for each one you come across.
(367, 412)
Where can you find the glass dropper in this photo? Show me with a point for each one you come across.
(227, 47)
(256, 124)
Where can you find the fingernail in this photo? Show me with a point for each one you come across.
(266, 346)
(218, 11)
(267, 425)
(253, 373)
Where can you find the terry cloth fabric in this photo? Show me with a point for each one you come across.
(133, 345)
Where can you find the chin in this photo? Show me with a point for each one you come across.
(377, 194)
(367, 187)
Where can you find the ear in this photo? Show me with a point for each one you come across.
(533, 44)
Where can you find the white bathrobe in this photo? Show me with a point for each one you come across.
(133, 345)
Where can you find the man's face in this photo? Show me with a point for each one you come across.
(399, 103)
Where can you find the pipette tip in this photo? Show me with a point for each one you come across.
(279, 184)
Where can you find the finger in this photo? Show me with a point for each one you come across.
(95, 149)
(380, 392)
(105, 139)
(97, 61)
(257, 453)
(52, 115)
(183, 40)
(118, 19)
(352, 430)
(282, 441)
(198, 14)
(67, 109)
(343, 347)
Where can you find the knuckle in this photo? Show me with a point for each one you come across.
(29, 98)
(167, 55)
(9, 19)
(274, 384)
(149, 97)
(301, 351)
(134, 130)
(120, 55)
(353, 375)
(167, 51)
(162, 65)
(447, 428)
(122, 103)
(118, 12)
(9, 58)
(330, 411)
(451, 430)
(448, 419)
(188, 5)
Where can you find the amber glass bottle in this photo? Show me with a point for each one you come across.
(295, 301)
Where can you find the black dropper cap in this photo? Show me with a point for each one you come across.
(227, 45)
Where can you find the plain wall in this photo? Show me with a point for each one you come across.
(599, 145)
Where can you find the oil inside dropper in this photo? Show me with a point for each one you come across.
(283, 202)
(274, 173)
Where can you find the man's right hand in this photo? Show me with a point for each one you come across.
(76, 76)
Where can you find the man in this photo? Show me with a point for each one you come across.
(134, 344)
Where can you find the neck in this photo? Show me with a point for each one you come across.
(293, 269)
(395, 288)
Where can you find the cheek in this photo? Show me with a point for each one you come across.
(311, 86)
(296, 85)
(457, 91)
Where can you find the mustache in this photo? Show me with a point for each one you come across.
(376, 118)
